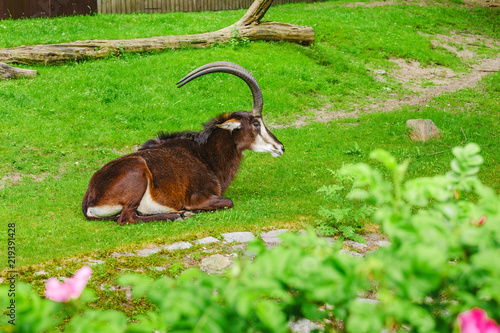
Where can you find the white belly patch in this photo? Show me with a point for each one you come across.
(104, 211)
(150, 207)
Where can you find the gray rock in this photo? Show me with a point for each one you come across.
(330, 240)
(215, 264)
(368, 300)
(160, 268)
(249, 254)
(122, 254)
(351, 253)
(96, 262)
(238, 248)
(355, 245)
(303, 326)
(147, 252)
(271, 246)
(210, 250)
(272, 236)
(42, 272)
(240, 237)
(207, 240)
(178, 246)
(383, 243)
(422, 129)
(373, 237)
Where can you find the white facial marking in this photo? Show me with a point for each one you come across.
(104, 211)
(150, 207)
(265, 143)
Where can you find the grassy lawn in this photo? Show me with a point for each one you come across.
(61, 127)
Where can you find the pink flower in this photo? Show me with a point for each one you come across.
(477, 321)
(481, 221)
(70, 289)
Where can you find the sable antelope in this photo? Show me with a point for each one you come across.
(184, 171)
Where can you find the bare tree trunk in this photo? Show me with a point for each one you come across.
(8, 72)
(248, 26)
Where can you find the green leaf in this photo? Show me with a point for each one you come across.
(385, 158)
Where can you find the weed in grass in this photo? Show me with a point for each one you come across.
(341, 217)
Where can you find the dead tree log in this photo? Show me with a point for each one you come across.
(9, 72)
(249, 26)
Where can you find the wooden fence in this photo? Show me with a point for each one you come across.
(45, 8)
(162, 6)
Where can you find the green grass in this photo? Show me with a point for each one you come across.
(70, 120)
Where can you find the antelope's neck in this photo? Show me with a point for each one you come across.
(223, 157)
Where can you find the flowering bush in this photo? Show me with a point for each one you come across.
(71, 288)
(477, 321)
(443, 261)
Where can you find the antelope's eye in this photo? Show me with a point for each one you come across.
(256, 124)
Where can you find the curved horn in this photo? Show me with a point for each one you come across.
(231, 68)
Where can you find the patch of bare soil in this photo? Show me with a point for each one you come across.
(425, 82)
(16, 178)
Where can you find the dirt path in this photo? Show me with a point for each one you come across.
(412, 76)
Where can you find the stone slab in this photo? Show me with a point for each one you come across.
(178, 246)
(240, 237)
(207, 240)
(215, 264)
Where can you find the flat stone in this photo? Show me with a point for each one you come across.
(422, 129)
(96, 262)
(303, 326)
(122, 254)
(240, 237)
(148, 252)
(215, 264)
(368, 300)
(238, 248)
(373, 236)
(178, 246)
(272, 236)
(249, 254)
(271, 246)
(160, 268)
(355, 245)
(330, 240)
(42, 272)
(207, 240)
(351, 253)
(383, 243)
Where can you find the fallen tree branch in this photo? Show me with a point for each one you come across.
(249, 26)
(9, 72)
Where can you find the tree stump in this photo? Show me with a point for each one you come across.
(249, 26)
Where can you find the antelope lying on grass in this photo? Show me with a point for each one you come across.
(184, 171)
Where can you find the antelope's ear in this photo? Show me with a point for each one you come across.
(230, 125)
